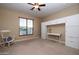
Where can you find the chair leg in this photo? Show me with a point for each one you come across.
(8, 44)
(2, 45)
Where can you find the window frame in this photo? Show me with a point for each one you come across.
(26, 26)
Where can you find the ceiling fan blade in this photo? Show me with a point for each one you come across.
(32, 8)
(39, 9)
(30, 3)
(42, 5)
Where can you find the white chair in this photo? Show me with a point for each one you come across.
(6, 39)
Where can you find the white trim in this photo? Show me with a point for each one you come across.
(20, 40)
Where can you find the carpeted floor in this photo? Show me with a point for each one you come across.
(38, 47)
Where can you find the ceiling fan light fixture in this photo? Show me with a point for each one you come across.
(36, 6)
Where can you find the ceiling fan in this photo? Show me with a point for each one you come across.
(36, 6)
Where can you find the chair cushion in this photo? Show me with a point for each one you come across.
(7, 39)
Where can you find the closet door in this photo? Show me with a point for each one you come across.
(72, 31)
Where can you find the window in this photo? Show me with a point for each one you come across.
(26, 26)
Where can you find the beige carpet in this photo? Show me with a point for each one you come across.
(38, 47)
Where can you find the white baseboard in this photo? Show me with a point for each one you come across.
(25, 39)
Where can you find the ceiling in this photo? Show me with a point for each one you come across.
(49, 9)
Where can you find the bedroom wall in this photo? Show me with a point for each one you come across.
(9, 20)
(0, 19)
(63, 13)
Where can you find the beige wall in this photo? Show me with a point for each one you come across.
(9, 20)
(63, 13)
(60, 28)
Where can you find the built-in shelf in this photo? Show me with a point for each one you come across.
(56, 34)
(52, 39)
(63, 42)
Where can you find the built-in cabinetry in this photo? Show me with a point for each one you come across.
(56, 33)
(71, 29)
